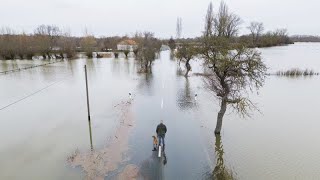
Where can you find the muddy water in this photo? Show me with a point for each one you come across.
(39, 133)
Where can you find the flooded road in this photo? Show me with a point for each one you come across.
(40, 132)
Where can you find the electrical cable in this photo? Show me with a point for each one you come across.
(36, 92)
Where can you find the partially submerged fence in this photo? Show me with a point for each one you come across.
(28, 67)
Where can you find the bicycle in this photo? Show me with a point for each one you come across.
(161, 146)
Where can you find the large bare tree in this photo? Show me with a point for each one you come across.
(233, 68)
(225, 23)
(256, 29)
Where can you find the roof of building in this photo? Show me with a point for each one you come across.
(127, 42)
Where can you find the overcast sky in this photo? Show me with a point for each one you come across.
(120, 17)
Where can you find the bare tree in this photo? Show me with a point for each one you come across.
(186, 52)
(148, 47)
(47, 37)
(179, 27)
(88, 44)
(256, 30)
(209, 21)
(233, 68)
(7, 43)
(67, 45)
(225, 23)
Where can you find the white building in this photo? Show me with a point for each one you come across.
(127, 45)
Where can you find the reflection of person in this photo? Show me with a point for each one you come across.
(161, 132)
(155, 143)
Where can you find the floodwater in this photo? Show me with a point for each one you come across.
(46, 120)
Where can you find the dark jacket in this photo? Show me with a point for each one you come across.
(161, 130)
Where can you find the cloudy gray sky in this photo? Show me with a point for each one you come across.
(120, 17)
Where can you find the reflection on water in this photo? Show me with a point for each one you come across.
(186, 97)
(220, 171)
(145, 85)
(172, 56)
(153, 167)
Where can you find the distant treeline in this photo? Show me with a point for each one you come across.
(46, 41)
(256, 39)
(272, 38)
(50, 42)
(305, 38)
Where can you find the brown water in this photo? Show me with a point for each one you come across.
(40, 132)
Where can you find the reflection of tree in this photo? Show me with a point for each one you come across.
(221, 172)
(172, 55)
(179, 71)
(185, 99)
(146, 84)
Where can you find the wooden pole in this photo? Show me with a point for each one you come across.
(88, 105)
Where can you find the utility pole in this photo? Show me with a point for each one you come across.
(88, 105)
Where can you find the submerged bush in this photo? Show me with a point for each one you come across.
(296, 72)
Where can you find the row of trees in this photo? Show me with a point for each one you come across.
(47, 41)
(305, 38)
(258, 38)
(51, 42)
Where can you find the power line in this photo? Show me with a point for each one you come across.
(38, 91)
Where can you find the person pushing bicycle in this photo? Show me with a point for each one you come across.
(161, 133)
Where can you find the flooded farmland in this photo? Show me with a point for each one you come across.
(44, 121)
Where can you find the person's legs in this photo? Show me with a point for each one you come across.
(160, 141)
(163, 141)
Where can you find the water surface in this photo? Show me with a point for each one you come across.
(41, 131)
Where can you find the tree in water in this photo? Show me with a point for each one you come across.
(233, 68)
(47, 37)
(172, 44)
(186, 52)
(148, 47)
(126, 52)
(67, 45)
(88, 44)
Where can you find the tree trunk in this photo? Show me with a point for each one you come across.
(146, 67)
(48, 55)
(188, 68)
(223, 108)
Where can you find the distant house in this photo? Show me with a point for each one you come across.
(127, 44)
